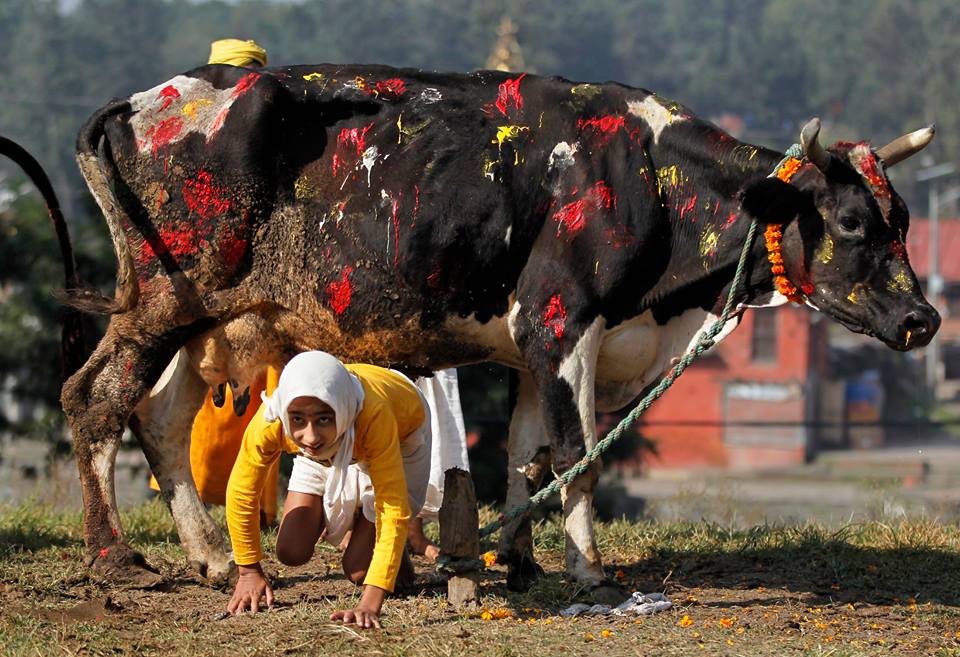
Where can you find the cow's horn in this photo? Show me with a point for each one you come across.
(903, 147)
(811, 147)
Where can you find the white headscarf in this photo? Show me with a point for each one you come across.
(318, 374)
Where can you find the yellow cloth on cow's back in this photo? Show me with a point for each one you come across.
(237, 52)
(215, 442)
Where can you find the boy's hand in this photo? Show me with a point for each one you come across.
(367, 613)
(251, 587)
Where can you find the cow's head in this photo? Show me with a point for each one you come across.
(844, 236)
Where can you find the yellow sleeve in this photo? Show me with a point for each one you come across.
(381, 452)
(262, 443)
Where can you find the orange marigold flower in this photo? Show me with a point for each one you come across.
(606, 633)
(588, 637)
(789, 168)
(686, 621)
(727, 622)
(620, 575)
(489, 558)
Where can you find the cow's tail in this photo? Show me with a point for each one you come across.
(97, 169)
(73, 343)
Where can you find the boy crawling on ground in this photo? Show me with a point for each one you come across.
(363, 439)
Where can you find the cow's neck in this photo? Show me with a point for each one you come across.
(699, 182)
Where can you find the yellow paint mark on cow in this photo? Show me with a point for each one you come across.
(490, 166)
(744, 153)
(900, 283)
(313, 76)
(540, 121)
(190, 109)
(303, 187)
(708, 242)
(856, 293)
(670, 176)
(586, 91)
(409, 133)
(508, 133)
(824, 252)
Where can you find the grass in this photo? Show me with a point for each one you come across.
(873, 588)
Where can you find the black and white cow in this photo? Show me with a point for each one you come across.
(580, 233)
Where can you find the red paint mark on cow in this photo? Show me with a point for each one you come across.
(509, 95)
(602, 127)
(433, 278)
(899, 251)
(730, 219)
(232, 246)
(104, 552)
(555, 316)
(340, 292)
(180, 240)
(573, 217)
(871, 171)
(390, 89)
(396, 230)
(349, 140)
(218, 123)
(203, 197)
(688, 206)
(113, 532)
(164, 133)
(245, 84)
(416, 205)
(168, 93)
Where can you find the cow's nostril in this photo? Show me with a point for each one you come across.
(916, 323)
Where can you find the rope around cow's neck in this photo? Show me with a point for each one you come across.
(704, 343)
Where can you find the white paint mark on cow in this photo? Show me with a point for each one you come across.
(655, 114)
(506, 238)
(204, 110)
(369, 159)
(561, 157)
(430, 95)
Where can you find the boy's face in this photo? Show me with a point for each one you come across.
(314, 428)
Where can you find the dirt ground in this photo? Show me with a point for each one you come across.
(865, 590)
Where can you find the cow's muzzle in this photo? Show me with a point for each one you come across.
(918, 327)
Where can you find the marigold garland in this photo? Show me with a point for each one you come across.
(773, 236)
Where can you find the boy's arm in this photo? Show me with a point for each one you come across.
(381, 451)
(259, 449)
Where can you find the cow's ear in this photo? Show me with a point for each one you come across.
(772, 201)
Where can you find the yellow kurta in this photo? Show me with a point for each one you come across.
(215, 442)
(392, 410)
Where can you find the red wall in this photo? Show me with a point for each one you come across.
(698, 400)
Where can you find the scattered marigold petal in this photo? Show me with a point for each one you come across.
(686, 621)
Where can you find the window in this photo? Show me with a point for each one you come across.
(763, 345)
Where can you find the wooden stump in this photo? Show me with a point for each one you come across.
(460, 537)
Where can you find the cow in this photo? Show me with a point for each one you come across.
(580, 233)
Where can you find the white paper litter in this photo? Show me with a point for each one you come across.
(638, 604)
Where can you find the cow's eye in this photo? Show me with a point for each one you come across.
(849, 224)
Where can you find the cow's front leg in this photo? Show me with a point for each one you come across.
(528, 453)
(97, 400)
(560, 345)
(163, 423)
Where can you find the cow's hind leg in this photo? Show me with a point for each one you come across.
(163, 423)
(97, 400)
(528, 460)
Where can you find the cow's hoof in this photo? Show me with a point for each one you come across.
(119, 564)
(606, 593)
(218, 575)
(522, 573)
